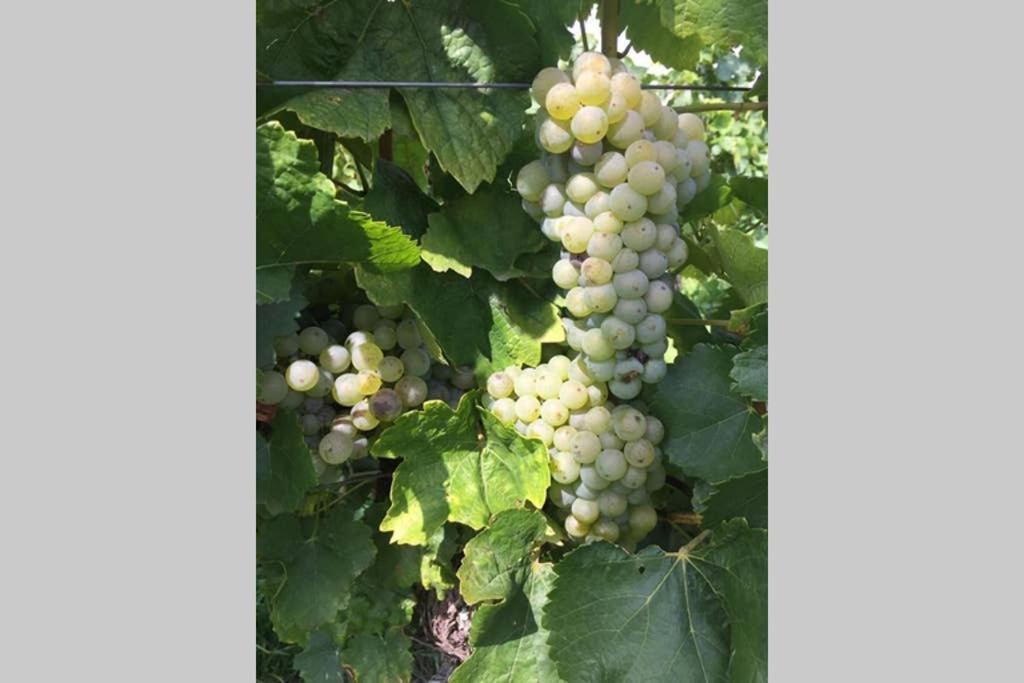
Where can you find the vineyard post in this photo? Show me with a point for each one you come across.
(609, 16)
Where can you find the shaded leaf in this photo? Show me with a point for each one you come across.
(284, 465)
(380, 659)
(745, 497)
(320, 662)
(753, 191)
(275, 320)
(642, 23)
(750, 373)
(396, 199)
(744, 263)
(709, 200)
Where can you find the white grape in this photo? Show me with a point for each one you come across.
(286, 346)
(559, 364)
(641, 150)
(585, 447)
(363, 419)
(611, 503)
(630, 424)
(602, 370)
(625, 261)
(611, 169)
(505, 410)
(577, 419)
(650, 329)
(642, 519)
(653, 263)
(615, 107)
(703, 180)
(628, 86)
(606, 220)
(273, 389)
(581, 187)
(365, 317)
(665, 128)
(575, 528)
(578, 371)
(655, 431)
(657, 349)
(500, 385)
(646, 177)
(655, 477)
(611, 464)
(586, 154)
(589, 124)
(367, 356)
(562, 439)
(551, 228)
(609, 441)
(554, 136)
(464, 378)
(411, 390)
(577, 304)
(573, 395)
(391, 369)
(692, 126)
(626, 131)
(385, 334)
(312, 341)
(591, 61)
(619, 334)
(562, 101)
(323, 384)
(407, 333)
(532, 209)
(627, 204)
(630, 285)
(640, 235)
(542, 431)
(560, 496)
(625, 389)
(552, 200)
(585, 511)
(666, 237)
(599, 203)
(663, 201)
(650, 108)
(369, 381)
(527, 408)
(596, 346)
(575, 233)
(545, 79)
(697, 150)
(564, 469)
(658, 297)
(655, 370)
(685, 192)
(603, 245)
(639, 453)
(554, 413)
(347, 390)
(667, 155)
(343, 425)
(302, 375)
(634, 478)
(572, 208)
(546, 383)
(596, 270)
(416, 362)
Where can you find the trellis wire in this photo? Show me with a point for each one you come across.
(430, 85)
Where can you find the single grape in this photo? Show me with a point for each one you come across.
(385, 334)
(629, 425)
(657, 349)
(658, 297)
(286, 346)
(559, 364)
(628, 86)
(532, 209)
(663, 202)
(369, 381)
(386, 405)
(360, 448)
(639, 453)
(500, 385)
(666, 237)
(531, 180)
(347, 390)
(650, 329)
(625, 389)
(591, 61)
(611, 464)
(302, 375)
(323, 385)
(609, 441)
(575, 233)
(606, 222)
(312, 341)
(525, 383)
(604, 245)
(391, 369)
(692, 126)
(464, 378)
(541, 430)
(577, 419)
(335, 448)
(685, 192)
(653, 263)
(611, 503)
(367, 356)
(598, 419)
(640, 150)
(619, 333)
(626, 131)
(572, 208)
(411, 390)
(703, 180)
(589, 124)
(665, 128)
(611, 169)
(581, 187)
(560, 496)
(554, 413)
(273, 389)
(546, 383)
(650, 108)
(642, 519)
(363, 419)
(585, 492)
(593, 480)
(640, 235)
(562, 439)
(601, 371)
(631, 285)
(586, 446)
(564, 469)
(408, 334)
(655, 370)
(605, 529)
(527, 408)
(599, 204)
(545, 79)
(575, 528)
(596, 346)
(627, 204)
(647, 177)
(365, 317)
(596, 270)
(416, 362)
(311, 404)
(292, 400)
(615, 107)
(505, 410)
(655, 431)
(554, 136)
(562, 101)
(678, 254)
(573, 395)
(552, 200)
(550, 229)
(585, 511)
(697, 150)
(666, 154)
(357, 338)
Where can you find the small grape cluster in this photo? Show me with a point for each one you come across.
(605, 459)
(373, 374)
(618, 166)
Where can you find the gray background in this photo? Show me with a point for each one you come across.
(127, 489)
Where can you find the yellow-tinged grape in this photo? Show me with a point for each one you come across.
(547, 383)
(500, 385)
(598, 419)
(552, 200)
(564, 469)
(578, 371)
(531, 180)
(527, 408)
(596, 346)
(575, 528)
(611, 169)
(667, 155)
(367, 356)
(589, 124)
(604, 245)
(665, 128)
(545, 79)
(627, 203)
(369, 382)
(581, 187)
(601, 298)
(573, 395)
(576, 232)
(585, 447)
(646, 177)
(559, 365)
(605, 529)
(302, 375)
(615, 108)
(591, 61)
(642, 518)
(562, 102)
(554, 413)
(617, 65)
(650, 108)
(611, 464)
(564, 435)
(640, 235)
(347, 390)
(576, 303)
(564, 274)
(585, 511)
(692, 126)
(641, 150)
(606, 221)
(593, 87)
(626, 131)
(596, 270)
(628, 86)
(598, 203)
(505, 410)
(554, 136)
(629, 424)
(524, 382)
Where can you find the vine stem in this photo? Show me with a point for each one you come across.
(689, 518)
(609, 27)
(698, 539)
(723, 106)
(697, 322)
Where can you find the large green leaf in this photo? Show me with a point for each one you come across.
(476, 321)
(509, 644)
(750, 373)
(736, 564)
(643, 26)
(449, 474)
(744, 263)
(709, 200)
(722, 23)
(275, 320)
(649, 617)
(753, 191)
(315, 561)
(284, 465)
(320, 662)
(396, 199)
(299, 222)
(487, 229)
(380, 659)
(550, 19)
(708, 427)
(745, 497)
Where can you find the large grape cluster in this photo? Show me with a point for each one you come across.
(344, 385)
(617, 167)
(604, 458)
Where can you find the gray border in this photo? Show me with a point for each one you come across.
(129, 245)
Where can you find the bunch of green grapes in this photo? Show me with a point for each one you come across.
(617, 167)
(344, 385)
(604, 458)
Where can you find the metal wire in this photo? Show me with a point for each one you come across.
(430, 85)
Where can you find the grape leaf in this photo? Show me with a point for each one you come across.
(473, 319)
(275, 320)
(320, 662)
(447, 474)
(508, 642)
(317, 560)
(736, 564)
(745, 497)
(300, 222)
(435, 568)
(487, 229)
(362, 114)
(642, 22)
(709, 200)
(649, 617)
(284, 465)
(745, 264)
(708, 427)
(750, 373)
(722, 23)
(397, 200)
(753, 191)
(752, 324)
(550, 19)
(380, 659)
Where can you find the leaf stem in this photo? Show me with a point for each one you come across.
(697, 322)
(695, 542)
(723, 106)
(688, 518)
